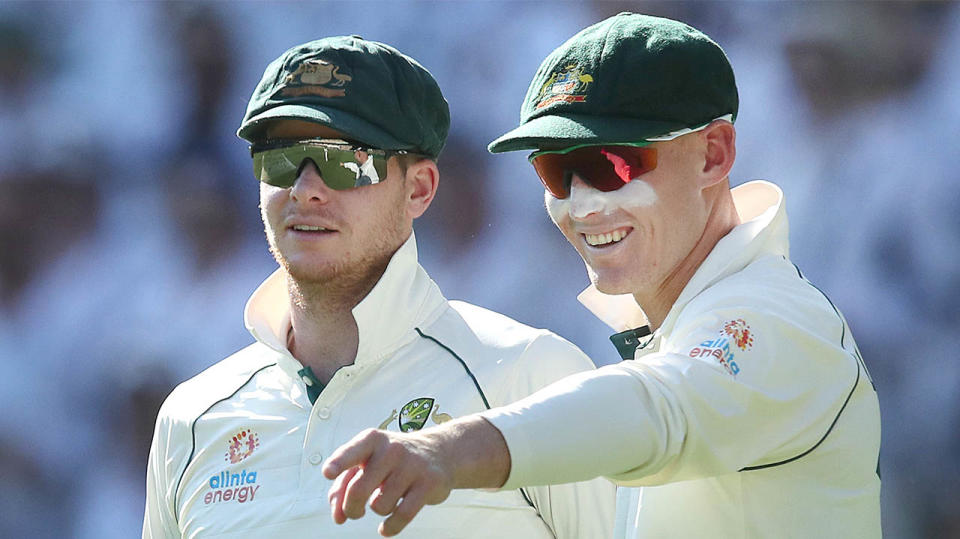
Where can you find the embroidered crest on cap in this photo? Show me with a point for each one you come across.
(568, 85)
(316, 77)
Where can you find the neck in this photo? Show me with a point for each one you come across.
(324, 334)
(656, 304)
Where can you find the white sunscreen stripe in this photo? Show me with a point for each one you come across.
(585, 200)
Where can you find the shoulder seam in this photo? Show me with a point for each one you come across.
(463, 363)
(476, 384)
(856, 360)
(816, 445)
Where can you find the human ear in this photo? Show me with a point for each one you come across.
(420, 186)
(719, 153)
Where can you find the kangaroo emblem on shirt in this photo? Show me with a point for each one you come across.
(439, 417)
(386, 422)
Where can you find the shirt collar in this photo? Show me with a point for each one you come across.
(404, 297)
(763, 230)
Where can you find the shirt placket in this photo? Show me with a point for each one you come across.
(319, 441)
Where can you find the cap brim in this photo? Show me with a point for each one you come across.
(351, 126)
(560, 130)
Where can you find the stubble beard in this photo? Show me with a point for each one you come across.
(341, 284)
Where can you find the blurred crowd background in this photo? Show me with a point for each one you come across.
(130, 236)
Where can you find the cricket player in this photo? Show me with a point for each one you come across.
(350, 332)
(743, 408)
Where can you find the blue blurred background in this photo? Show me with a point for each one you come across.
(130, 239)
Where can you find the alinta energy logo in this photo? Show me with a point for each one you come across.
(241, 446)
(229, 485)
(738, 333)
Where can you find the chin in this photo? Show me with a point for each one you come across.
(311, 271)
(613, 289)
(611, 282)
(310, 275)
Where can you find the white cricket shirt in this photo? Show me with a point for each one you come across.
(748, 414)
(238, 449)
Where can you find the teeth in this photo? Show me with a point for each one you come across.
(605, 239)
(308, 228)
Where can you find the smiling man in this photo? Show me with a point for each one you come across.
(351, 333)
(743, 408)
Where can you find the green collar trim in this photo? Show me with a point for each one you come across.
(314, 385)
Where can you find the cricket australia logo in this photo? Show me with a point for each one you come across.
(414, 415)
(568, 85)
(316, 77)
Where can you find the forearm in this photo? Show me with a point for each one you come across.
(556, 435)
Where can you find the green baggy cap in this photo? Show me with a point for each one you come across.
(628, 78)
(370, 91)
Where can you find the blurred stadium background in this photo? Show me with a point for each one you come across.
(130, 239)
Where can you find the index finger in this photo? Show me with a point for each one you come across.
(411, 505)
(353, 453)
(336, 495)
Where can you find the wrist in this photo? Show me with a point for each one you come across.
(473, 452)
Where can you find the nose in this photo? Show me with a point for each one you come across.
(309, 185)
(584, 199)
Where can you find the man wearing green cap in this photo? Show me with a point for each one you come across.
(743, 408)
(350, 332)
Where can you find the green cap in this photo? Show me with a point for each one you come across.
(629, 78)
(370, 91)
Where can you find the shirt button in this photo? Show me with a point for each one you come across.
(323, 413)
(316, 458)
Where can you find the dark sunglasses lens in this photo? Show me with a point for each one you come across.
(274, 167)
(553, 174)
(627, 162)
(340, 168)
(605, 168)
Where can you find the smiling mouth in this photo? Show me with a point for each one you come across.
(308, 228)
(309, 232)
(609, 238)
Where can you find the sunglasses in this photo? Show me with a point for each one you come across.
(606, 168)
(341, 165)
